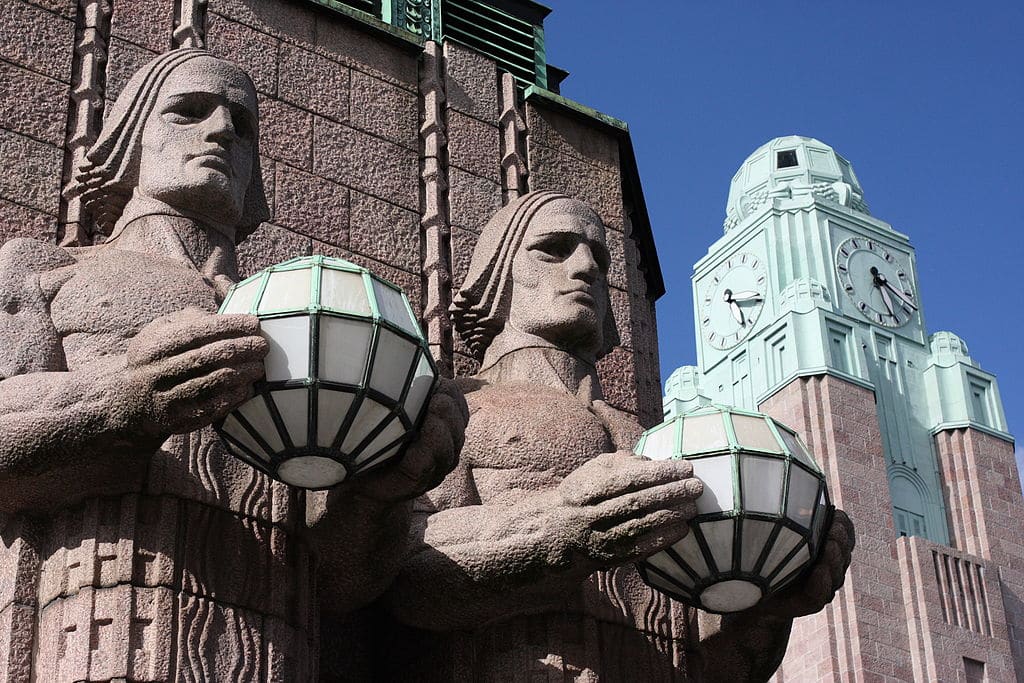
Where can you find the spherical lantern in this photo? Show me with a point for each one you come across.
(348, 374)
(760, 519)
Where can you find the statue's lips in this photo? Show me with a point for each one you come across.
(581, 295)
(214, 159)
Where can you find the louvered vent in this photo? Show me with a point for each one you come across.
(371, 7)
(516, 45)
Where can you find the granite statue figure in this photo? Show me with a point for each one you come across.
(135, 546)
(522, 558)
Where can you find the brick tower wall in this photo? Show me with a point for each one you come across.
(862, 634)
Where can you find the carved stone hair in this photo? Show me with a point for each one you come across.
(481, 307)
(109, 172)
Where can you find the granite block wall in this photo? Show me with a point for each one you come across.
(862, 635)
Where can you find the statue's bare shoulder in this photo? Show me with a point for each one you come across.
(31, 272)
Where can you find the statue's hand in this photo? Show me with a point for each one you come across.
(621, 507)
(186, 370)
(430, 457)
(822, 580)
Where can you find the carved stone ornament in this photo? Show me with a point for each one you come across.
(137, 548)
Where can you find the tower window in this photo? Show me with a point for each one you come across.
(974, 670)
(786, 159)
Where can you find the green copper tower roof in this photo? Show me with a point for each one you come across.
(789, 166)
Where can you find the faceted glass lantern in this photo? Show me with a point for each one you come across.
(760, 519)
(348, 374)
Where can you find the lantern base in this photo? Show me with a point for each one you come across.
(311, 472)
(730, 596)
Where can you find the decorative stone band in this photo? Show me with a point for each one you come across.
(838, 192)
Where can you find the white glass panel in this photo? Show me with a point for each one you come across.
(784, 542)
(391, 364)
(391, 305)
(241, 298)
(419, 389)
(236, 430)
(289, 348)
(661, 444)
(802, 557)
(387, 455)
(796, 447)
(257, 414)
(344, 348)
(286, 291)
(665, 563)
(803, 491)
(704, 433)
(762, 483)
(393, 431)
(331, 410)
(293, 407)
(755, 535)
(719, 537)
(754, 432)
(369, 416)
(690, 553)
(821, 512)
(311, 472)
(730, 596)
(716, 473)
(343, 291)
(664, 586)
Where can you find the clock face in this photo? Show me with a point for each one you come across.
(732, 300)
(877, 281)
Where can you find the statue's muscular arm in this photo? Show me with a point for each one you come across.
(180, 373)
(522, 551)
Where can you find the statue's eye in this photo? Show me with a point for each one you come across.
(186, 111)
(556, 247)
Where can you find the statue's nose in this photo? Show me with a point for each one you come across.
(219, 125)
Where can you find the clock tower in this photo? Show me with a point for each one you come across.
(808, 308)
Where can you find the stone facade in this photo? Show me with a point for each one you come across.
(375, 148)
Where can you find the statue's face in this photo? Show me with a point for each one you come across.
(559, 288)
(197, 146)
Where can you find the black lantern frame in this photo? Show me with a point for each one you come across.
(741, 548)
(338, 427)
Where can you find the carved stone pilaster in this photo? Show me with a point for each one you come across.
(190, 23)
(85, 115)
(513, 154)
(435, 228)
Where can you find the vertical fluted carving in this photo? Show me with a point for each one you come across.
(513, 128)
(435, 229)
(85, 115)
(189, 23)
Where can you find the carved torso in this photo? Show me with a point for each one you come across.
(186, 564)
(613, 620)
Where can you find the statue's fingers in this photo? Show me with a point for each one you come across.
(679, 496)
(643, 536)
(187, 416)
(196, 363)
(617, 474)
(842, 529)
(450, 389)
(166, 338)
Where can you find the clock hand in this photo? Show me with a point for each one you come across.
(899, 294)
(747, 295)
(737, 313)
(886, 299)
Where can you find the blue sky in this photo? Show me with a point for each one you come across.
(924, 98)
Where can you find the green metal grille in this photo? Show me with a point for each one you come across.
(511, 32)
(516, 45)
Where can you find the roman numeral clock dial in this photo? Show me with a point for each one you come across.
(732, 300)
(877, 282)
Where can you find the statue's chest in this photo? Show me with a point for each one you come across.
(518, 434)
(113, 296)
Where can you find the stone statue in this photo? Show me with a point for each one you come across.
(134, 545)
(523, 559)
